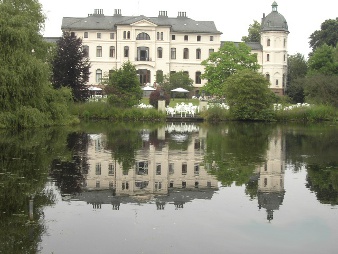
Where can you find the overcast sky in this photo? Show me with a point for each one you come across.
(233, 20)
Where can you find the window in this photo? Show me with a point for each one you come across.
(276, 82)
(98, 169)
(284, 57)
(85, 35)
(98, 76)
(198, 38)
(111, 169)
(196, 169)
(171, 168)
(98, 51)
(85, 50)
(268, 57)
(268, 42)
(112, 36)
(211, 38)
(198, 53)
(265, 182)
(173, 53)
(143, 36)
(97, 184)
(128, 35)
(124, 34)
(284, 43)
(184, 168)
(185, 53)
(126, 51)
(111, 51)
(161, 36)
(72, 34)
(173, 37)
(98, 35)
(184, 184)
(158, 185)
(158, 169)
(211, 51)
(267, 77)
(198, 77)
(142, 168)
(159, 52)
(186, 37)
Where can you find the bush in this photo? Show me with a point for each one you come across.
(155, 96)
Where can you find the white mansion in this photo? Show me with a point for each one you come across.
(163, 45)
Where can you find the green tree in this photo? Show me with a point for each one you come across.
(228, 60)
(322, 89)
(297, 70)
(324, 61)
(175, 80)
(26, 97)
(253, 33)
(328, 34)
(123, 86)
(248, 96)
(71, 66)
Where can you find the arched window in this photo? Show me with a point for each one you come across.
(198, 53)
(126, 51)
(185, 53)
(98, 76)
(267, 77)
(276, 82)
(198, 77)
(143, 36)
(111, 51)
(98, 51)
(159, 52)
(268, 57)
(268, 42)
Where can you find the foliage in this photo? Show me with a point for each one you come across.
(253, 33)
(295, 90)
(248, 96)
(71, 66)
(228, 60)
(328, 34)
(123, 87)
(216, 114)
(176, 80)
(159, 76)
(155, 96)
(324, 60)
(322, 89)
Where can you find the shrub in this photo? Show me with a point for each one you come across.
(155, 96)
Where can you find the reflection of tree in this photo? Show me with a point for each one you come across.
(123, 141)
(68, 174)
(319, 142)
(235, 150)
(324, 182)
(24, 163)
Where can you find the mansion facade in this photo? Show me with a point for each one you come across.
(163, 45)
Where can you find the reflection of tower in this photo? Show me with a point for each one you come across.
(271, 182)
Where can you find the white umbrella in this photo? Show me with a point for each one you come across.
(92, 88)
(148, 88)
(180, 90)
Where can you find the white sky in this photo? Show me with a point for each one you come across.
(233, 20)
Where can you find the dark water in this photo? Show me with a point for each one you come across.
(174, 188)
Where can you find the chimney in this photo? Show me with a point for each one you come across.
(162, 14)
(98, 12)
(117, 12)
(182, 14)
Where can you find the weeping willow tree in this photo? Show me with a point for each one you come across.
(27, 98)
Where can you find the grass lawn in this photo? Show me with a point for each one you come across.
(172, 103)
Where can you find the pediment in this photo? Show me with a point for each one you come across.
(143, 23)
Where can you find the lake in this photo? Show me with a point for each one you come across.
(170, 188)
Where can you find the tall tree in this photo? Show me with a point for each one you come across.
(324, 61)
(71, 66)
(26, 97)
(297, 70)
(228, 60)
(328, 34)
(253, 33)
(123, 86)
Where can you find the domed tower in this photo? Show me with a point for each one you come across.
(274, 40)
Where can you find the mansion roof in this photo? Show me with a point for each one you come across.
(179, 24)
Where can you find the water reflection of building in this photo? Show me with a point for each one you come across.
(160, 175)
(271, 176)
